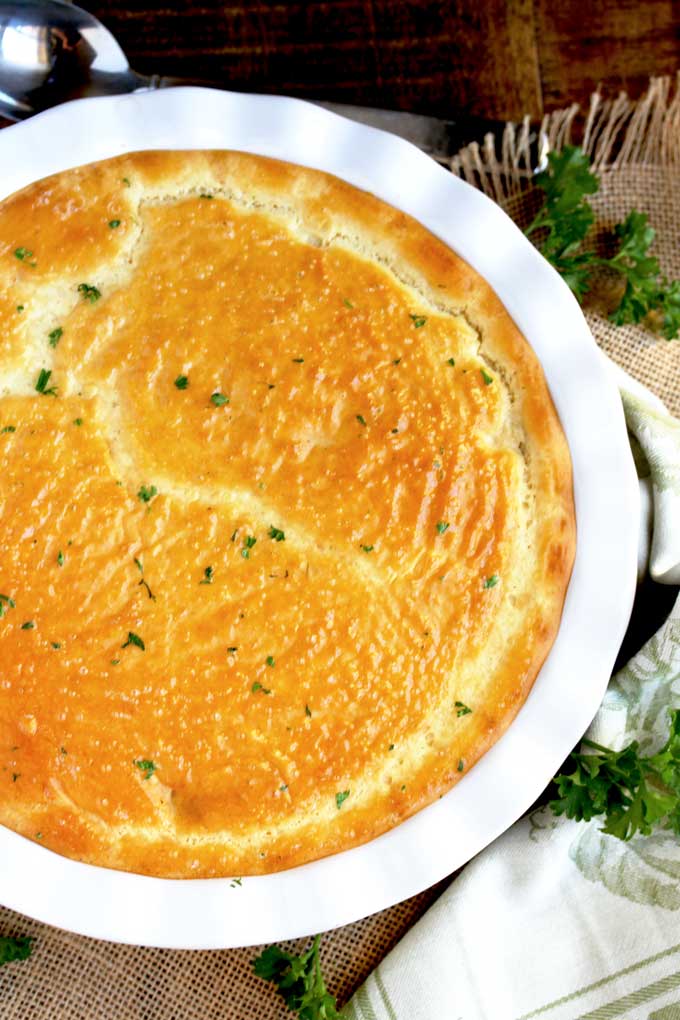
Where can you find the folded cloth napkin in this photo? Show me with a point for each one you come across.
(556, 920)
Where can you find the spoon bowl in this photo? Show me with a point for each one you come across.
(52, 51)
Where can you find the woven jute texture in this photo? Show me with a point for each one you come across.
(636, 150)
(69, 977)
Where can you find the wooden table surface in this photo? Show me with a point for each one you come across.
(483, 57)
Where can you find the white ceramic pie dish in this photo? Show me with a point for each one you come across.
(218, 913)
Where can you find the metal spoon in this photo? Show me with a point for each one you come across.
(52, 51)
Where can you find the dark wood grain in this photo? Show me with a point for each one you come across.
(486, 58)
(422, 55)
(617, 42)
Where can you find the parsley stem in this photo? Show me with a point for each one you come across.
(541, 219)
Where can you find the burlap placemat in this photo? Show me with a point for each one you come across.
(636, 150)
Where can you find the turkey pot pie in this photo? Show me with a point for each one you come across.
(286, 511)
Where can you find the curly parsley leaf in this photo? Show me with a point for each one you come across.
(647, 292)
(634, 793)
(15, 948)
(299, 981)
(565, 215)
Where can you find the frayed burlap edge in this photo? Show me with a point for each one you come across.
(615, 133)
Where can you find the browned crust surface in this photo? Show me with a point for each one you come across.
(389, 729)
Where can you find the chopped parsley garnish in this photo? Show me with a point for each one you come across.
(248, 543)
(148, 590)
(15, 948)
(257, 686)
(145, 766)
(366, 548)
(283, 787)
(20, 308)
(361, 419)
(15, 776)
(270, 661)
(208, 574)
(276, 534)
(461, 765)
(89, 292)
(308, 712)
(55, 645)
(29, 625)
(147, 493)
(114, 224)
(488, 379)
(133, 639)
(8, 428)
(60, 558)
(462, 709)
(78, 421)
(299, 981)
(298, 361)
(23, 254)
(451, 361)
(391, 747)
(138, 564)
(347, 303)
(181, 382)
(126, 182)
(235, 882)
(232, 649)
(204, 194)
(42, 381)
(396, 361)
(418, 320)
(340, 798)
(219, 399)
(492, 581)
(442, 526)
(115, 662)
(6, 603)
(55, 336)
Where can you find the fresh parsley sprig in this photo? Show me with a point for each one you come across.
(634, 793)
(564, 221)
(299, 981)
(566, 215)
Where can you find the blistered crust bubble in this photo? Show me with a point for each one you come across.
(286, 515)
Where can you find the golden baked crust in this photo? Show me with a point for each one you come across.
(343, 542)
